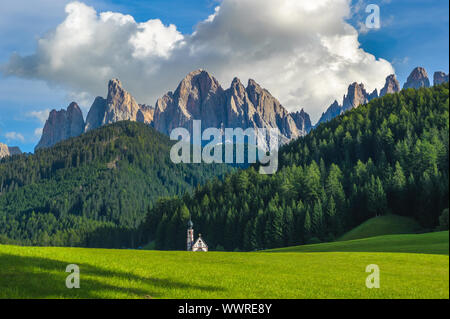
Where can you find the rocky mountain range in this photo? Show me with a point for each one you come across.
(119, 105)
(199, 96)
(6, 150)
(419, 78)
(356, 96)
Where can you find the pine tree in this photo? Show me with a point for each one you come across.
(307, 225)
(333, 185)
(331, 215)
(274, 226)
(377, 203)
(289, 227)
(312, 182)
(317, 219)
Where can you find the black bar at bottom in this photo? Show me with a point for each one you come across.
(227, 308)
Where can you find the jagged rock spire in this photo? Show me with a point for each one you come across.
(417, 79)
(391, 86)
(62, 125)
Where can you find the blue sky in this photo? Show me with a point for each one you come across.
(413, 33)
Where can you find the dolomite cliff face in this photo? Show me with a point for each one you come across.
(118, 106)
(62, 125)
(417, 79)
(145, 114)
(303, 122)
(6, 150)
(200, 97)
(392, 86)
(96, 114)
(440, 78)
(333, 111)
(356, 96)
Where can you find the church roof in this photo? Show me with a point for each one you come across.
(200, 239)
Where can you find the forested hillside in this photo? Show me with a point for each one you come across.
(100, 189)
(92, 190)
(390, 156)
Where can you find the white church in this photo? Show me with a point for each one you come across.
(199, 245)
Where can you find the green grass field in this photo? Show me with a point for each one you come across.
(33, 272)
(430, 243)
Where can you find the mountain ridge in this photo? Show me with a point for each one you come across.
(357, 95)
(199, 96)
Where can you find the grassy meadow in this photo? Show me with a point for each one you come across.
(383, 225)
(35, 272)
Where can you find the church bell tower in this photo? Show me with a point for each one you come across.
(190, 235)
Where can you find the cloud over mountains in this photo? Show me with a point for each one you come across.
(304, 52)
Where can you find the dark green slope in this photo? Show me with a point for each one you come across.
(383, 225)
(388, 157)
(430, 243)
(91, 190)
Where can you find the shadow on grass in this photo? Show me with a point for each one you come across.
(39, 278)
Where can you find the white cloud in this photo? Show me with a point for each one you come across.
(304, 52)
(14, 136)
(83, 99)
(38, 132)
(401, 61)
(41, 116)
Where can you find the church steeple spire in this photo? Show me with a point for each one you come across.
(190, 235)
